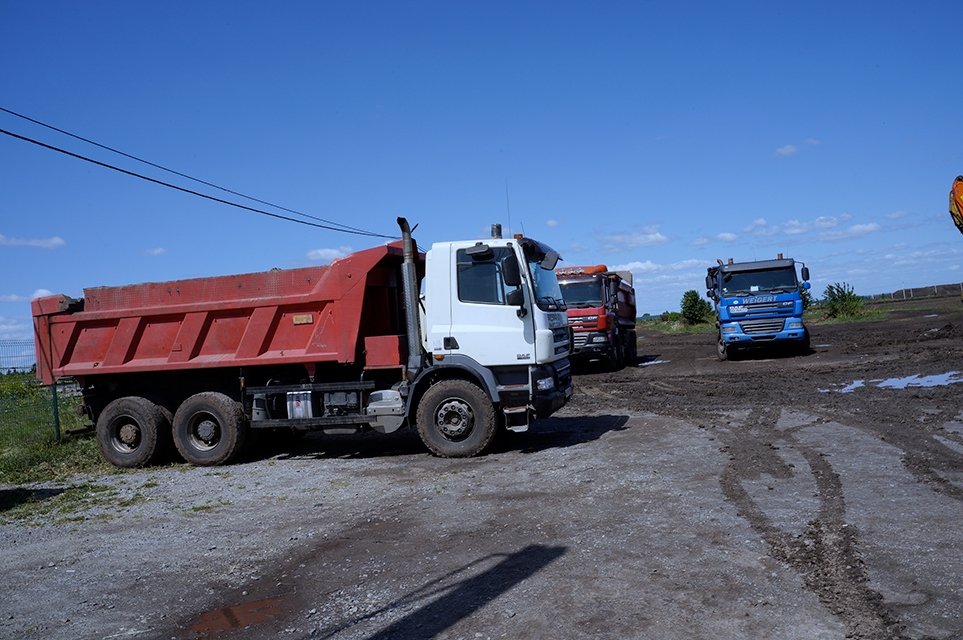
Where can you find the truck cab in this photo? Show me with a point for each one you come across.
(601, 312)
(494, 310)
(758, 304)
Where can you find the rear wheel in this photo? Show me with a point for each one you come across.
(209, 429)
(131, 432)
(456, 419)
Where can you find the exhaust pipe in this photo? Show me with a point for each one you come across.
(409, 285)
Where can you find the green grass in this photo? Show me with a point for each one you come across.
(675, 326)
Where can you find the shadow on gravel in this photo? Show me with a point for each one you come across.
(542, 435)
(11, 498)
(455, 601)
(558, 433)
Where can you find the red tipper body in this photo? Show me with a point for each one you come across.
(347, 312)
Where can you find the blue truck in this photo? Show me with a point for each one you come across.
(758, 304)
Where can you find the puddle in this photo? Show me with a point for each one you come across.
(646, 364)
(938, 380)
(822, 346)
(932, 315)
(238, 616)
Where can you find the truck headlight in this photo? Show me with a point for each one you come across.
(600, 339)
(729, 329)
(545, 384)
(795, 325)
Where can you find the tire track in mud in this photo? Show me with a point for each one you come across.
(825, 553)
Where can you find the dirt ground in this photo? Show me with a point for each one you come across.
(774, 496)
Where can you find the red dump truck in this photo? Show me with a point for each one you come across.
(466, 339)
(601, 311)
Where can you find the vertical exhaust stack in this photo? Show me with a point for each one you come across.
(409, 284)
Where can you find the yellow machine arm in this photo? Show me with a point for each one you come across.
(956, 202)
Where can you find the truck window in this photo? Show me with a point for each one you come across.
(771, 281)
(481, 280)
(583, 294)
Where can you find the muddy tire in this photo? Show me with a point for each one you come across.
(723, 350)
(131, 432)
(209, 429)
(456, 419)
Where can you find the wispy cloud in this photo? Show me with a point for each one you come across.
(616, 243)
(43, 243)
(896, 215)
(649, 268)
(719, 237)
(760, 228)
(15, 328)
(13, 298)
(159, 251)
(39, 293)
(855, 231)
(788, 150)
(327, 255)
(553, 223)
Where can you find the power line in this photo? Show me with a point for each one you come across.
(195, 193)
(184, 175)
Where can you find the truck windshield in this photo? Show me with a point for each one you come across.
(751, 282)
(582, 294)
(548, 296)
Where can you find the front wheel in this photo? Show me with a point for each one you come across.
(209, 429)
(456, 419)
(724, 350)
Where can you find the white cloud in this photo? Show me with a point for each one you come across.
(812, 141)
(553, 223)
(719, 237)
(855, 231)
(40, 293)
(615, 243)
(327, 255)
(787, 150)
(158, 251)
(15, 328)
(13, 298)
(897, 214)
(759, 227)
(43, 243)
(796, 227)
(649, 268)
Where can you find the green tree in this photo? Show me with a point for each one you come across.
(694, 308)
(841, 301)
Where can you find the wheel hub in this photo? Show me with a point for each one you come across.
(128, 434)
(206, 430)
(454, 418)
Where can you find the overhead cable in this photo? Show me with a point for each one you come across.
(184, 175)
(197, 193)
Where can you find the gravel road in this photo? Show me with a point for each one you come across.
(770, 497)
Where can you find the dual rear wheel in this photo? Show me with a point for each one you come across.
(207, 429)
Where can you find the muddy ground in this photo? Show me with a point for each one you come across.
(770, 497)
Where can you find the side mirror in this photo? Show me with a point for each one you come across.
(805, 273)
(710, 283)
(549, 261)
(515, 297)
(511, 271)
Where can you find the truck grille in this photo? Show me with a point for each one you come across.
(755, 327)
(580, 340)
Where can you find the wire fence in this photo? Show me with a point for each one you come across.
(29, 410)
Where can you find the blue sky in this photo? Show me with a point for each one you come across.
(643, 135)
